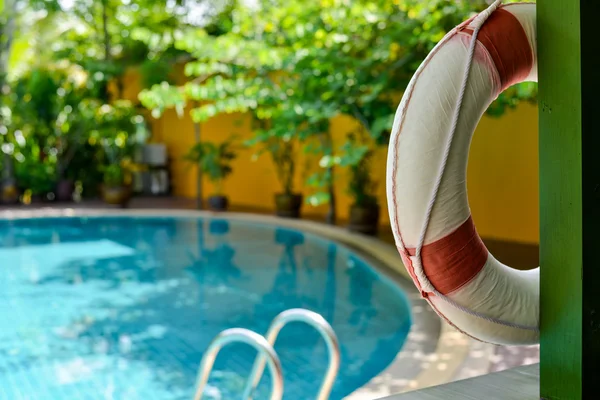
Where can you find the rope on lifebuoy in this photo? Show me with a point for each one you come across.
(416, 260)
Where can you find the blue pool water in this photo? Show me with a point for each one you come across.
(122, 308)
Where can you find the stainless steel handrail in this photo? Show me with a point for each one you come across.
(245, 336)
(322, 326)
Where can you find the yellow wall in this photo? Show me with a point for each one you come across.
(502, 174)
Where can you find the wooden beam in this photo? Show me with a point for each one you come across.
(569, 88)
(590, 193)
(559, 70)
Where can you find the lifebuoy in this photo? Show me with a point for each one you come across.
(426, 176)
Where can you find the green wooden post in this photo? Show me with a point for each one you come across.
(569, 110)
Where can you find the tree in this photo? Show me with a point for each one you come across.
(356, 59)
(18, 18)
(102, 37)
(8, 13)
(215, 159)
(308, 62)
(41, 40)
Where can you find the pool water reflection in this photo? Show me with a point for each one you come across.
(123, 307)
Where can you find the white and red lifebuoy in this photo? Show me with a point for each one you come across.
(426, 176)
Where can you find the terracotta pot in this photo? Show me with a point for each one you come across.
(288, 205)
(116, 195)
(64, 190)
(364, 219)
(218, 203)
(9, 193)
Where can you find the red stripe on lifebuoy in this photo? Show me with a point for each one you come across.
(506, 41)
(451, 262)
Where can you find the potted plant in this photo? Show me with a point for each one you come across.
(32, 101)
(34, 171)
(283, 153)
(278, 139)
(121, 131)
(9, 193)
(67, 144)
(365, 211)
(116, 186)
(45, 130)
(215, 162)
(357, 153)
(69, 136)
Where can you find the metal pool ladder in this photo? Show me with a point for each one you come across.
(245, 336)
(264, 345)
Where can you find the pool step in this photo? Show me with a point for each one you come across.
(267, 355)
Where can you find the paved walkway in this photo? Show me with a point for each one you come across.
(516, 384)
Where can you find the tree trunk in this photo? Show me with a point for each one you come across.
(7, 34)
(65, 158)
(105, 31)
(199, 200)
(7, 172)
(120, 86)
(331, 216)
(104, 89)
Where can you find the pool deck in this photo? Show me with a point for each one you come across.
(433, 354)
(514, 384)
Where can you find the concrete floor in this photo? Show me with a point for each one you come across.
(521, 383)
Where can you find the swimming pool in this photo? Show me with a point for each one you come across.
(123, 307)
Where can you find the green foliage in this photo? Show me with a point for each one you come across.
(512, 97)
(59, 116)
(233, 74)
(279, 138)
(117, 127)
(113, 175)
(35, 100)
(162, 97)
(34, 137)
(318, 181)
(38, 176)
(120, 131)
(214, 160)
(56, 131)
(357, 158)
(23, 25)
(107, 37)
(294, 65)
(154, 72)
